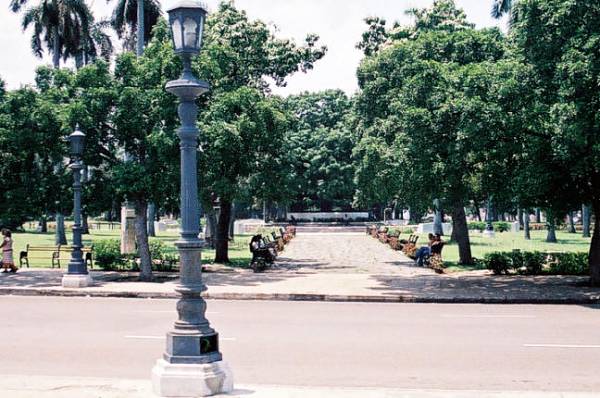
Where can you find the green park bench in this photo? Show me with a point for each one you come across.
(56, 253)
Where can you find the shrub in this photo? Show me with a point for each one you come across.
(569, 263)
(501, 226)
(157, 249)
(107, 253)
(476, 225)
(533, 262)
(497, 262)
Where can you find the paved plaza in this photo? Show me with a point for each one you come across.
(331, 267)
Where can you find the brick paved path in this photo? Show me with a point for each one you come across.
(346, 253)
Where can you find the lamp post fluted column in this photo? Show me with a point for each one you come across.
(192, 364)
(77, 274)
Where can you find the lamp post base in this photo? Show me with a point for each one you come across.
(76, 280)
(488, 234)
(191, 380)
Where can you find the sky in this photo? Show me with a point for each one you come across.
(339, 23)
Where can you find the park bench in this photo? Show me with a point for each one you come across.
(382, 234)
(262, 254)
(409, 247)
(434, 260)
(57, 254)
(278, 240)
(291, 229)
(394, 239)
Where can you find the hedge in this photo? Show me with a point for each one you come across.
(535, 263)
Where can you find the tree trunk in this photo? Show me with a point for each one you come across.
(232, 221)
(538, 215)
(140, 28)
(56, 49)
(79, 60)
(551, 225)
(437, 218)
(526, 224)
(60, 237)
(222, 241)
(461, 231)
(85, 226)
(594, 260)
(585, 218)
(520, 217)
(210, 232)
(141, 237)
(151, 217)
(414, 215)
(265, 218)
(572, 229)
(43, 225)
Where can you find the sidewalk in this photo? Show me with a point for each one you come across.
(321, 267)
(278, 285)
(62, 387)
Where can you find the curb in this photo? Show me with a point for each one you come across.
(306, 297)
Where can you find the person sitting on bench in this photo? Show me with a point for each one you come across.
(259, 250)
(424, 251)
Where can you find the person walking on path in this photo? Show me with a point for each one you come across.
(7, 251)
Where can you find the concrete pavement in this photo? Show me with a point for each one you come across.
(306, 344)
(327, 267)
(16, 386)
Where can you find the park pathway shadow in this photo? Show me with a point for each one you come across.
(490, 287)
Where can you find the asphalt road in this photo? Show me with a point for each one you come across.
(424, 346)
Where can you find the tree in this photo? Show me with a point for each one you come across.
(147, 135)
(501, 7)
(322, 142)
(560, 41)
(434, 100)
(56, 23)
(241, 54)
(125, 19)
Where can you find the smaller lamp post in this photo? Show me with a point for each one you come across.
(192, 365)
(77, 274)
(489, 227)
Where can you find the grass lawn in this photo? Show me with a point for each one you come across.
(239, 254)
(507, 241)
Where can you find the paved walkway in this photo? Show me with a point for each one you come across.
(18, 386)
(334, 267)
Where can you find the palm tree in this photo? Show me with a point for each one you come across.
(501, 7)
(56, 23)
(94, 43)
(125, 19)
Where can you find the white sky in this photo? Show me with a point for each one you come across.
(339, 23)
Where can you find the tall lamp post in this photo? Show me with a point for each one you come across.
(77, 274)
(192, 365)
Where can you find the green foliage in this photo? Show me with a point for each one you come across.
(321, 143)
(569, 264)
(497, 262)
(536, 263)
(107, 254)
(499, 226)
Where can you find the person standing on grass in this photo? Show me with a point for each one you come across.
(7, 251)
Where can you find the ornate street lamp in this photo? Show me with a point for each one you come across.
(192, 365)
(77, 274)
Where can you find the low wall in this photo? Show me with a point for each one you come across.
(332, 215)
